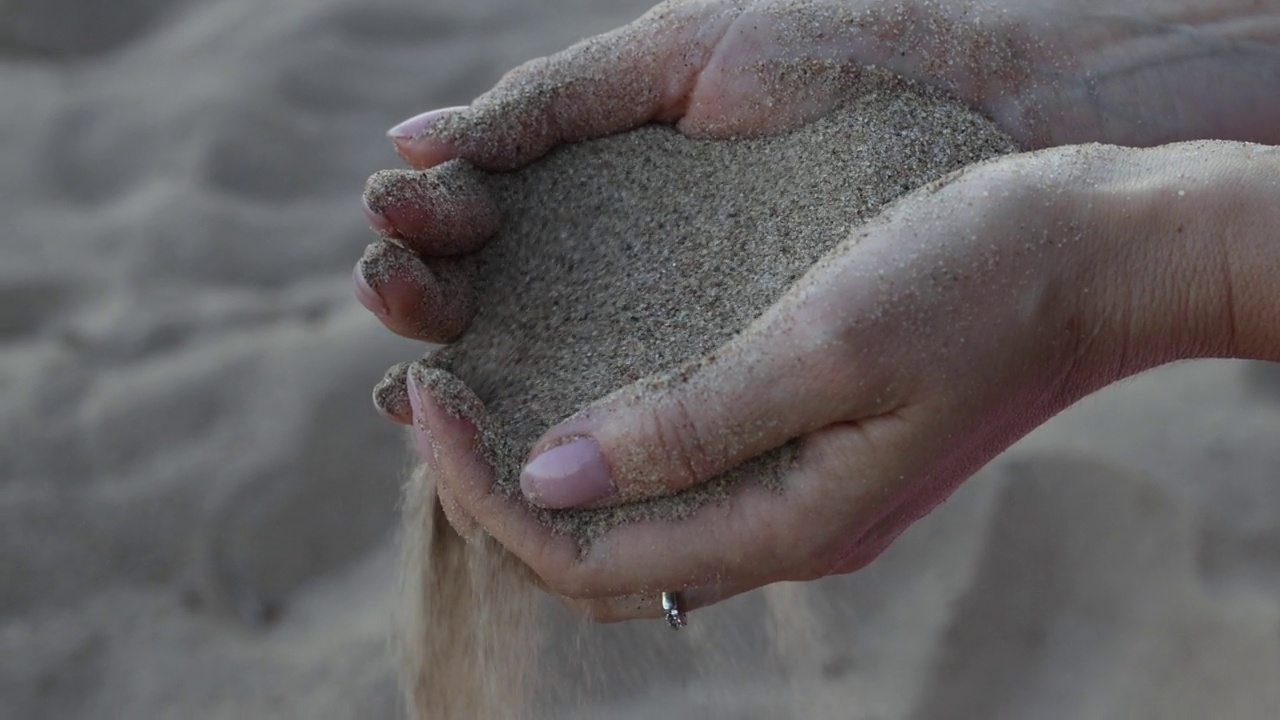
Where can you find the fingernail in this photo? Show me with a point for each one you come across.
(418, 124)
(391, 395)
(568, 475)
(377, 221)
(419, 398)
(367, 296)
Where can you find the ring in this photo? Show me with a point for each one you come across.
(671, 608)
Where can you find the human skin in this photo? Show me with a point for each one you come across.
(964, 316)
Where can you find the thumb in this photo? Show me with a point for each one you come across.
(781, 378)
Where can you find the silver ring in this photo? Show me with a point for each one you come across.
(671, 608)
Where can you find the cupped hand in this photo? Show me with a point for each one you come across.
(1049, 72)
(963, 317)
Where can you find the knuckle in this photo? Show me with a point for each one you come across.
(678, 442)
(391, 394)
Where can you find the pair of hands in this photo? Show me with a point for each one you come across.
(963, 317)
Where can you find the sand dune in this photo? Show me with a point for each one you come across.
(197, 500)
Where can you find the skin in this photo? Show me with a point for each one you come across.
(969, 313)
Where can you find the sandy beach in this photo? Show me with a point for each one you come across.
(198, 503)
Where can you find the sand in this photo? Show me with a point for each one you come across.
(198, 506)
(623, 257)
(617, 259)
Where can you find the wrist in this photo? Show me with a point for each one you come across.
(1252, 249)
(1142, 73)
(1192, 254)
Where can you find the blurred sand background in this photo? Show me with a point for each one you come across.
(198, 502)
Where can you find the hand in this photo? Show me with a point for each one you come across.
(923, 373)
(1049, 72)
(960, 319)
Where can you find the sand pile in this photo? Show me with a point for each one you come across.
(637, 253)
(629, 255)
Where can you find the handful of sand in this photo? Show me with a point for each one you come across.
(632, 254)
(619, 258)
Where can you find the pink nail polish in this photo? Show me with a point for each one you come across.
(367, 296)
(413, 127)
(569, 475)
(377, 221)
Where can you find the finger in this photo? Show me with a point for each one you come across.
(642, 72)
(448, 420)
(463, 524)
(416, 146)
(391, 396)
(846, 479)
(757, 536)
(442, 211)
(429, 474)
(648, 606)
(433, 303)
(641, 606)
(788, 374)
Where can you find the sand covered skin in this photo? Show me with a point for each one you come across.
(629, 255)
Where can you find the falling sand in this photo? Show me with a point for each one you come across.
(620, 258)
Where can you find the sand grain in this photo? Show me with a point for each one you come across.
(634, 254)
